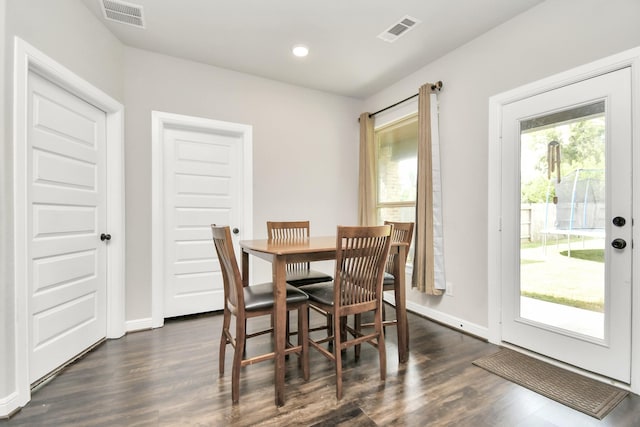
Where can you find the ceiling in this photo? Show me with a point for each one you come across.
(346, 57)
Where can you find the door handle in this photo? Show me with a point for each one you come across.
(235, 230)
(619, 243)
(619, 221)
(104, 237)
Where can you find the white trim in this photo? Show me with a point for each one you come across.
(26, 59)
(494, 222)
(396, 114)
(139, 324)
(635, 207)
(629, 58)
(160, 121)
(9, 404)
(116, 260)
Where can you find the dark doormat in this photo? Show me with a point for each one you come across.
(347, 415)
(576, 391)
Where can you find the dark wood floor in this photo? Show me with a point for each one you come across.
(168, 377)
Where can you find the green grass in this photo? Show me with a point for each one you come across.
(530, 261)
(587, 305)
(551, 240)
(596, 255)
(525, 244)
(553, 276)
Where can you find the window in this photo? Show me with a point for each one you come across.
(397, 169)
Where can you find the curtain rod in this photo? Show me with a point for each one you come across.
(437, 85)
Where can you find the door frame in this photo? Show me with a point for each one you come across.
(159, 122)
(629, 58)
(28, 59)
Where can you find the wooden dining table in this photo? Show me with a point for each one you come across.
(281, 252)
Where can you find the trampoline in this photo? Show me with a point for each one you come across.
(579, 203)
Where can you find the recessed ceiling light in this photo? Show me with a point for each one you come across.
(300, 50)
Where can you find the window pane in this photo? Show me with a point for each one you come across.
(397, 151)
(563, 216)
(397, 214)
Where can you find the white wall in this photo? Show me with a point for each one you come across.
(69, 33)
(305, 141)
(6, 311)
(66, 31)
(550, 38)
(305, 146)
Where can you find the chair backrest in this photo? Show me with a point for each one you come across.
(287, 230)
(290, 231)
(233, 293)
(360, 261)
(402, 233)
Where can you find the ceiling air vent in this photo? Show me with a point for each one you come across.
(394, 32)
(123, 12)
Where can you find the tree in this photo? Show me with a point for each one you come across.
(582, 146)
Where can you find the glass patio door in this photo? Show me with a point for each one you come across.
(566, 224)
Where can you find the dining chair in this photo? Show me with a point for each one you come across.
(361, 254)
(249, 302)
(298, 273)
(402, 233)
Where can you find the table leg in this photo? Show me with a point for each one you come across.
(245, 269)
(401, 305)
(280, 296)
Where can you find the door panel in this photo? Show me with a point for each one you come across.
(202, 186)
(67, 278)
(567, 170)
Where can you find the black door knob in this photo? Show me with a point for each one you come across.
(619, 221)
(619, 243)
(104, 237)
(235, 231)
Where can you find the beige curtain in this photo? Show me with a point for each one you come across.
(423, 263)
(367, 177)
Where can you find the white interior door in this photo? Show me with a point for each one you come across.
(202, 186)
(567, 224)
(67, 201)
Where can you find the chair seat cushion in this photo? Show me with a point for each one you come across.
(389, 279)
(319, 292)
(260, 297)
(306, 277)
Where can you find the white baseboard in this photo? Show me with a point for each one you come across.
(446, 319)
(9, 405)
(139, 324)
